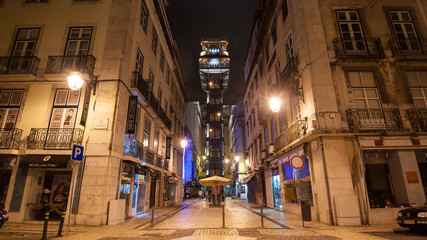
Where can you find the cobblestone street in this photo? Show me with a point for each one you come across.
(195, 220)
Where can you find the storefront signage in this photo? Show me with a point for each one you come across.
(45, 161)
(297, 162)
(168, 147)
(131, 117)
(86, 104)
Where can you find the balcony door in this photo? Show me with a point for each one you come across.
(404, 30)
(23, 49)
(417, 81)
(352, 36)
(64, 111)
(78, 44)
(10, 101)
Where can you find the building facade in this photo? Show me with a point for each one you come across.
(350, 77)
(128, 115)
(214, 70)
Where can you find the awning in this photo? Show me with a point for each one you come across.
(45, 161)
(249, 177)
(140, 169)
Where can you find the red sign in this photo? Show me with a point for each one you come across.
(297, 162)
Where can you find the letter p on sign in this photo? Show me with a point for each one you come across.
(77, 153)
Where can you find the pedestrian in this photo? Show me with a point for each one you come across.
(200, 194)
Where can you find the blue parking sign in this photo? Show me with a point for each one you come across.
(77, 153)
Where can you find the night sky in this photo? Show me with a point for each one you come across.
(192, 20)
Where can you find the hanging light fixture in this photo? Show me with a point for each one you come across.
(275, 104)
(75, 81)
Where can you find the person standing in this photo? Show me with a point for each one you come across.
(200, 194)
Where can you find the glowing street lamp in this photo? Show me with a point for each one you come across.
(184, 143)
(275, 104)
(204, 157)
(237, 158)
(75, 81)
(226, 160)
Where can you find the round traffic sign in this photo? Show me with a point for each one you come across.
(297, 162)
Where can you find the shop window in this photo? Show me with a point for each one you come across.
(291, 175)
(125, 185)
(139, 192)
(277, 195)
(10, 101)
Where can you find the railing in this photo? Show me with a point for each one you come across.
(279, 142)
(296, 130)
(408, 46)
(358, 48)
(221, 65)
(290, 68)
(10, 138)
(374, 118)
(166, 164)
(54, 138)
(139, 83)
(133, 148)
(64, 64)
(159, 161)
(19, 65)
(149, 156)
(418, 118)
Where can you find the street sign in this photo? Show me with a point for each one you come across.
(297, 162)
(77, 153)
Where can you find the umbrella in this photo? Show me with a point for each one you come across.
(215, 181)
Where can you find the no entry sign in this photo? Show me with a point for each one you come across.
(297, 162)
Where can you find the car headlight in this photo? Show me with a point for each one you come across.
(399, 214)
(422, 214)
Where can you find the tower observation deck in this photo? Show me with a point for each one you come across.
(214, 70)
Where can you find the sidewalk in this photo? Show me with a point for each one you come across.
(295, 222)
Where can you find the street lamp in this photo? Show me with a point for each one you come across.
(226, 160)
(75, 81)
(237, 158)
(275, 104)
(184, 143)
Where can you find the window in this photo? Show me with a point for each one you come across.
(273, 128)
(277, 67)
(25, 44)
(139, 62)
(168, 72)
(147, 132)
(37, 1)
(159, 96)
(156, 140)
(144, 16)
(162, 59)
(151, 81)
(215, 134)
(266, 136)
(154, 42)
(256, 80)
(296, 111)
(404, 30)
(165, 107)
(417, 81)
(64, 109)
(274, 32)
(365, 92)
(10, 101)
(284, 9)
(215, 116)
(289, 50)
(78, 41)
(352, 36)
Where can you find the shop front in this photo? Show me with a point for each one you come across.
(6, 166)
(277, 196)
(41, 179)
(133, 187)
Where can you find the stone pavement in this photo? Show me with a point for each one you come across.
(193, 219)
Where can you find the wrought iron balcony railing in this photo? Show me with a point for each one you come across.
(358, 48)
(54, 138)
(64, 64)
(408, 46)
(296, 130)
(133, 148)
(290, 68)
(139, 83)
(149, 156)
(374, 118)
(418, 118)
(279, 142)
(159, 161)
(10, 138)
(19, 65)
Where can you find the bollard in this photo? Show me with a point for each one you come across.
(152, 218)
(46, 220)
(223, 216)
(61, 224)
(262, 216)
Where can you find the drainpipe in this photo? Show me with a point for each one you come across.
(325, 172)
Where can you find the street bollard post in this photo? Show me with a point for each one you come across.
(152, 217)
(262, 217)
(46, 220)
(223, 216)
(61, 224)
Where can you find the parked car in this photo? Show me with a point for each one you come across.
(414, 218)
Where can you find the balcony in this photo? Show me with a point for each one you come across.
(166, 165)
(408, 47)
(418, 118)
(290, 69)
(54, 138)
(159, 161)
(364, 48)
(279, 142)
(149, 156)
(10, 138)
(139, 83)
(374, 118)
(296, 130)
(65, 64)
(133, 148)
(19, 65)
